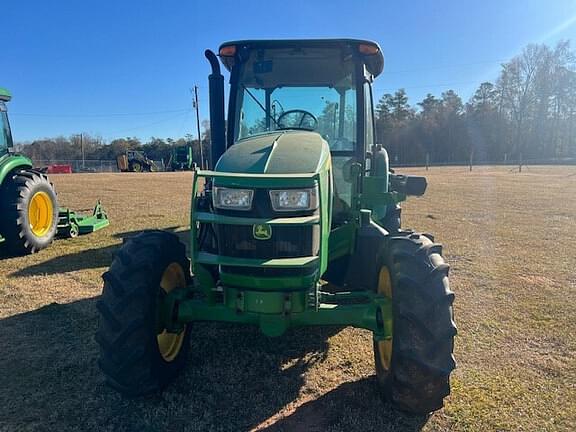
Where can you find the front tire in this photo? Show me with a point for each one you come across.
(137, 354)
(413, 369)
(28, 212)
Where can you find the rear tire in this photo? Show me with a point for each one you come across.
(137, 355)
(416, 376)
(28, 212)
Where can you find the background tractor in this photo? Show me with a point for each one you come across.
(29, 214)
(28, 204)
(181, 159)
(135, 161)
(298, 224)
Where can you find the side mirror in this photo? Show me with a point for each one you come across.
(408, 185)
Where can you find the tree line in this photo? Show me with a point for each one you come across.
(85, 146)
(88, 147)
(528, 113)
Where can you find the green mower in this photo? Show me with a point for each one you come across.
(29, 214)
(296, 223)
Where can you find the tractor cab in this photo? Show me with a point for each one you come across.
(5, 133)
(320, 87)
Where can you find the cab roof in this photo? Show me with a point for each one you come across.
(269, 43)
(374, 60)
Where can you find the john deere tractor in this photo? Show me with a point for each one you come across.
(29, 214)
(181, 159)
(28, 205)
(296, 223)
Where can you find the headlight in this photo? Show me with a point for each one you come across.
(294, 199)
(232, 199)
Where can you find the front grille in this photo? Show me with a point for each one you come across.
(287, 241)
(238, 241)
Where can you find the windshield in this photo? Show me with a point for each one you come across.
(305, 89)
(5, 136)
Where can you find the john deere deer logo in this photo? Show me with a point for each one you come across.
(262, 232)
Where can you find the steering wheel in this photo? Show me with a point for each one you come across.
(297, 119)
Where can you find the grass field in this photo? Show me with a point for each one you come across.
(510, 239)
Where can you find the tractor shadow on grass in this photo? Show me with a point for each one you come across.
(87, 258)
(352, 406)
(236, 379)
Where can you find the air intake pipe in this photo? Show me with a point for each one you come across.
(217, 122)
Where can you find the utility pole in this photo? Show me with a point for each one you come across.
(82, 151)
(195, 105)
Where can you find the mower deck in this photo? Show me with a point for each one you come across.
(72, 224)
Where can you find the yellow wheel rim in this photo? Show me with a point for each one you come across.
(385, 289)
(40, 214)
(170, 344)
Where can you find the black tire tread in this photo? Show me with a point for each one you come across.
(129, 356)
(424, 328)
(16, 190)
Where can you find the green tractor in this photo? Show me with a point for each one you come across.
(181, 159)
(28, 204)
(296, 223)
(29, 214)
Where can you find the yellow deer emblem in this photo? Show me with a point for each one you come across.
(262, 232)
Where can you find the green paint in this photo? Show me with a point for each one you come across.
(275, 313)
(10, 162)
(274, 153)
(5, 95)
(277, 283)
(83, 224)
(375, 196)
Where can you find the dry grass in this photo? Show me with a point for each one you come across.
(510, 239)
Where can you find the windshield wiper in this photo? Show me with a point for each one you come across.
(261, 106)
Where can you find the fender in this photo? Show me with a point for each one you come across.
(9, 163)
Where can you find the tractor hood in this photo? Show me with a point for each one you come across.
(278, 152)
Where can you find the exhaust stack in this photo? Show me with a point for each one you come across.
(217, 121)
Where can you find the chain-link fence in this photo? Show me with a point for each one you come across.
(88, 165)
(526, 162)
(111, 166)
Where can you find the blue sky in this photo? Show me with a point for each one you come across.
(124, 68)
